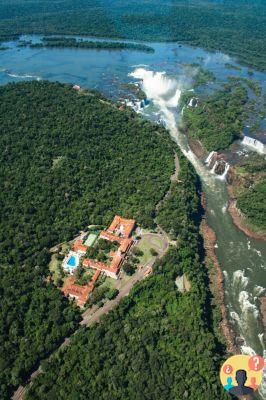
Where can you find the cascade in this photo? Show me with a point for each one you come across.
(209, 158)
(254, 144)
(226, 169)
(214, 167)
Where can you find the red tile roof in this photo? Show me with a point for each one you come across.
(79, 246)
(119, 226)
(123, 225)
(125, 245)
(81, 293)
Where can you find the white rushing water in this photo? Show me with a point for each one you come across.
(209, 158)
(254, 144)
(164, 93)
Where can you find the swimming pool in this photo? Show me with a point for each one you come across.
(72, 262)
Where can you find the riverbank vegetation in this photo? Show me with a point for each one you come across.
(236, 27)
(67, 42)
(158, 343)
(68, 159)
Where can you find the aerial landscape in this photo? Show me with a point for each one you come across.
(133, 199)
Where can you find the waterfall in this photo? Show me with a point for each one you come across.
(209, 158)
(214, 167)
(254, 144)
(158, 86)
(226, 169)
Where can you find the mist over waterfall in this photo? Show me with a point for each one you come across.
(158, 86)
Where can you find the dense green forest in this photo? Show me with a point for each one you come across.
(234, 26)
(84, 44)
(218, 119)
(158, 343)
(250, 190)
(67, 159)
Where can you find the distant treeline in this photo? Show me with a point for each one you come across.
(235, 27)
(83, 44)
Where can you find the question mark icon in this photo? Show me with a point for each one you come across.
(256, 363)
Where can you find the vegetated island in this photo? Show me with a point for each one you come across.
(70, 158)
(247, 190)
(62, 42)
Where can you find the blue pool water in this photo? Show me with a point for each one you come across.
(72, 261)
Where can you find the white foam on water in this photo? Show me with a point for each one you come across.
(235, 316)
(139, 66)
(239, 278)
(259, 290)
(244, 299)
(247, 350)
(261, 339)
(25, 76)
(258, 252)
(224, 208)
(225, 273)
(248, 244)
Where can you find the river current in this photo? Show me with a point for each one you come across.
(162, 77)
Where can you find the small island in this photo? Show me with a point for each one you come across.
(84, 44)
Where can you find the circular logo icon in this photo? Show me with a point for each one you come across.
(241, 374)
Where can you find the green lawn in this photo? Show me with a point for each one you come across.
(146, 243)
(54, 267)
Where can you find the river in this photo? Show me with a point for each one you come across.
(162, 77)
